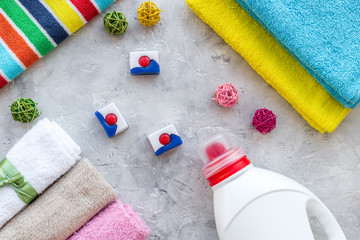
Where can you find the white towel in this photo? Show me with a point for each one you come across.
(42, 155)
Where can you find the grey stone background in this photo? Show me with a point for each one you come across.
(90, 69)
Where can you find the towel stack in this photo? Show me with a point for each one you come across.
(44, 154)
(322, 35)
(306, 50)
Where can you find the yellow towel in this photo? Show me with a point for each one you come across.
(271, 61)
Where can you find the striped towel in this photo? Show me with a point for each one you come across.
(31, 28)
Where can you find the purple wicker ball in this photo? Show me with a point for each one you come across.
(264, 120)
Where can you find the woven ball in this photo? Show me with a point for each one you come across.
(148, 14)
(115, 23)
(226, 95)
(24, 110)
(264, 120)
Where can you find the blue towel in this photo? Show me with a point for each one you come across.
(323, 35)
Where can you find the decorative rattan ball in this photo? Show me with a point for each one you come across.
(24, 110)
(115, 23)
(264, 120)
(226, 95)
(148, 14)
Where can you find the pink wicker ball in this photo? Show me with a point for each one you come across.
(264, 120)
(226, 95)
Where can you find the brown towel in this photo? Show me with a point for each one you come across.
(63, 208)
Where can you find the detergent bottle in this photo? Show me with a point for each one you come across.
(256, 204)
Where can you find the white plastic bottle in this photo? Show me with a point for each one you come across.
(256, 204)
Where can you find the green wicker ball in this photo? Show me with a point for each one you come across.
(24, 110)
(115, 23)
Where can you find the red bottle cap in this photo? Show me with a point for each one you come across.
(221, 159)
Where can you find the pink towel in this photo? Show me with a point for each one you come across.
(116, 222)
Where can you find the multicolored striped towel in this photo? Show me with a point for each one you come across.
(31, 28)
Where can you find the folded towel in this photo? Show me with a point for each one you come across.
(322, 35)
(63, 208)
(30, 29)
(116, 222)
(42, 155)
(271, 61)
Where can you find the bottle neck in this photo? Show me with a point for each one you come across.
(232, 177)
(228, 171)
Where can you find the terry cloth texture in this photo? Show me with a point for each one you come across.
(271, 61)
(116, 222)
(42, 155)
(63, 208)
(322, 35)
(30, 29)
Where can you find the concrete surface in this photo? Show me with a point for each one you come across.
(90, 69)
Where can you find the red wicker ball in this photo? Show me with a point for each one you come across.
(264, 120)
